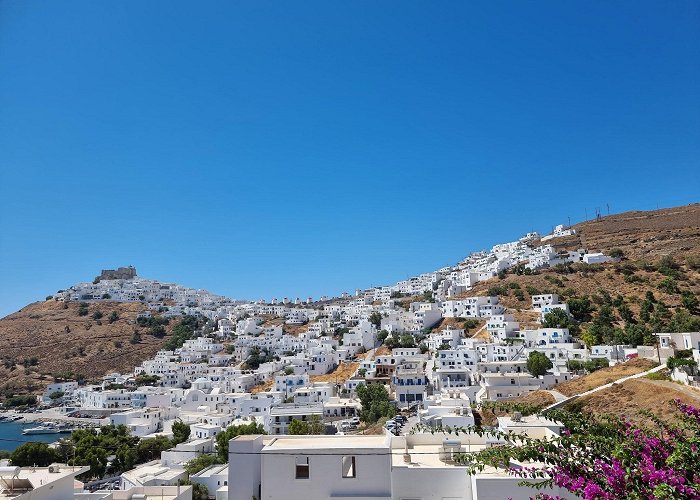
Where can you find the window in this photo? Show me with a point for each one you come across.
(302, 468)
(349, 470)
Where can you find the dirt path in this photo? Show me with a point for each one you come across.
(685, 389)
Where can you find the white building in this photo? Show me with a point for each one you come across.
(55, 482)
(542, 300)
(418, 466)
(448, 409)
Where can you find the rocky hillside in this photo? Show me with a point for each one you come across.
(655, 287)
(640, 234)
(51, 338)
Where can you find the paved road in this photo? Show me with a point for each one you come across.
(605, 386)
(410, 424)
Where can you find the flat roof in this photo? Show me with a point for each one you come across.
(212, 470)
(428, 455)
(30, 478)
(314, 443)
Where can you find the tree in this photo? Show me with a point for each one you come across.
(392, 340)
(316, 427)
(556, 318)
(625, 313)
(199, 491)
(231, 432)
(90, 447)
(184, 330)
(689, 301)
(56, 395)
(145, 379)
(113, 317)
(289, 370)
(151, 448)
(38, 454)
(124, 459)
(376, 319)
(157, 331)
(181, 432)
(407, 340)
(298, 427)
(538, 364)
(375, 402)
(200, 463)
(580, 309)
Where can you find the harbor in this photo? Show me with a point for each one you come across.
(47, 426)
(12, 436)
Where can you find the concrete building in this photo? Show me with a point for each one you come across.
(418, 466)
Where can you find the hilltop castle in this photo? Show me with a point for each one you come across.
(122, 273)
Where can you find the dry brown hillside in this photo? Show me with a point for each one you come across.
(640, 234)
(51, 338)
(604, 376)
(647, 239)
(633, 398)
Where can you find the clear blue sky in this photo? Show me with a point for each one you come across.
(262, 149)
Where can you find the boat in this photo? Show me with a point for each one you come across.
(48, 428)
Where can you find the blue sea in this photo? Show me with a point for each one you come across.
(11, 435)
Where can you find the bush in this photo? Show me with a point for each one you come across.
(56, 395)
(83, 309)
(16, 401)
(498, 290)
(145, 379)
(617, 253)
(693, 262)
(668, 267)
(669, 286)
